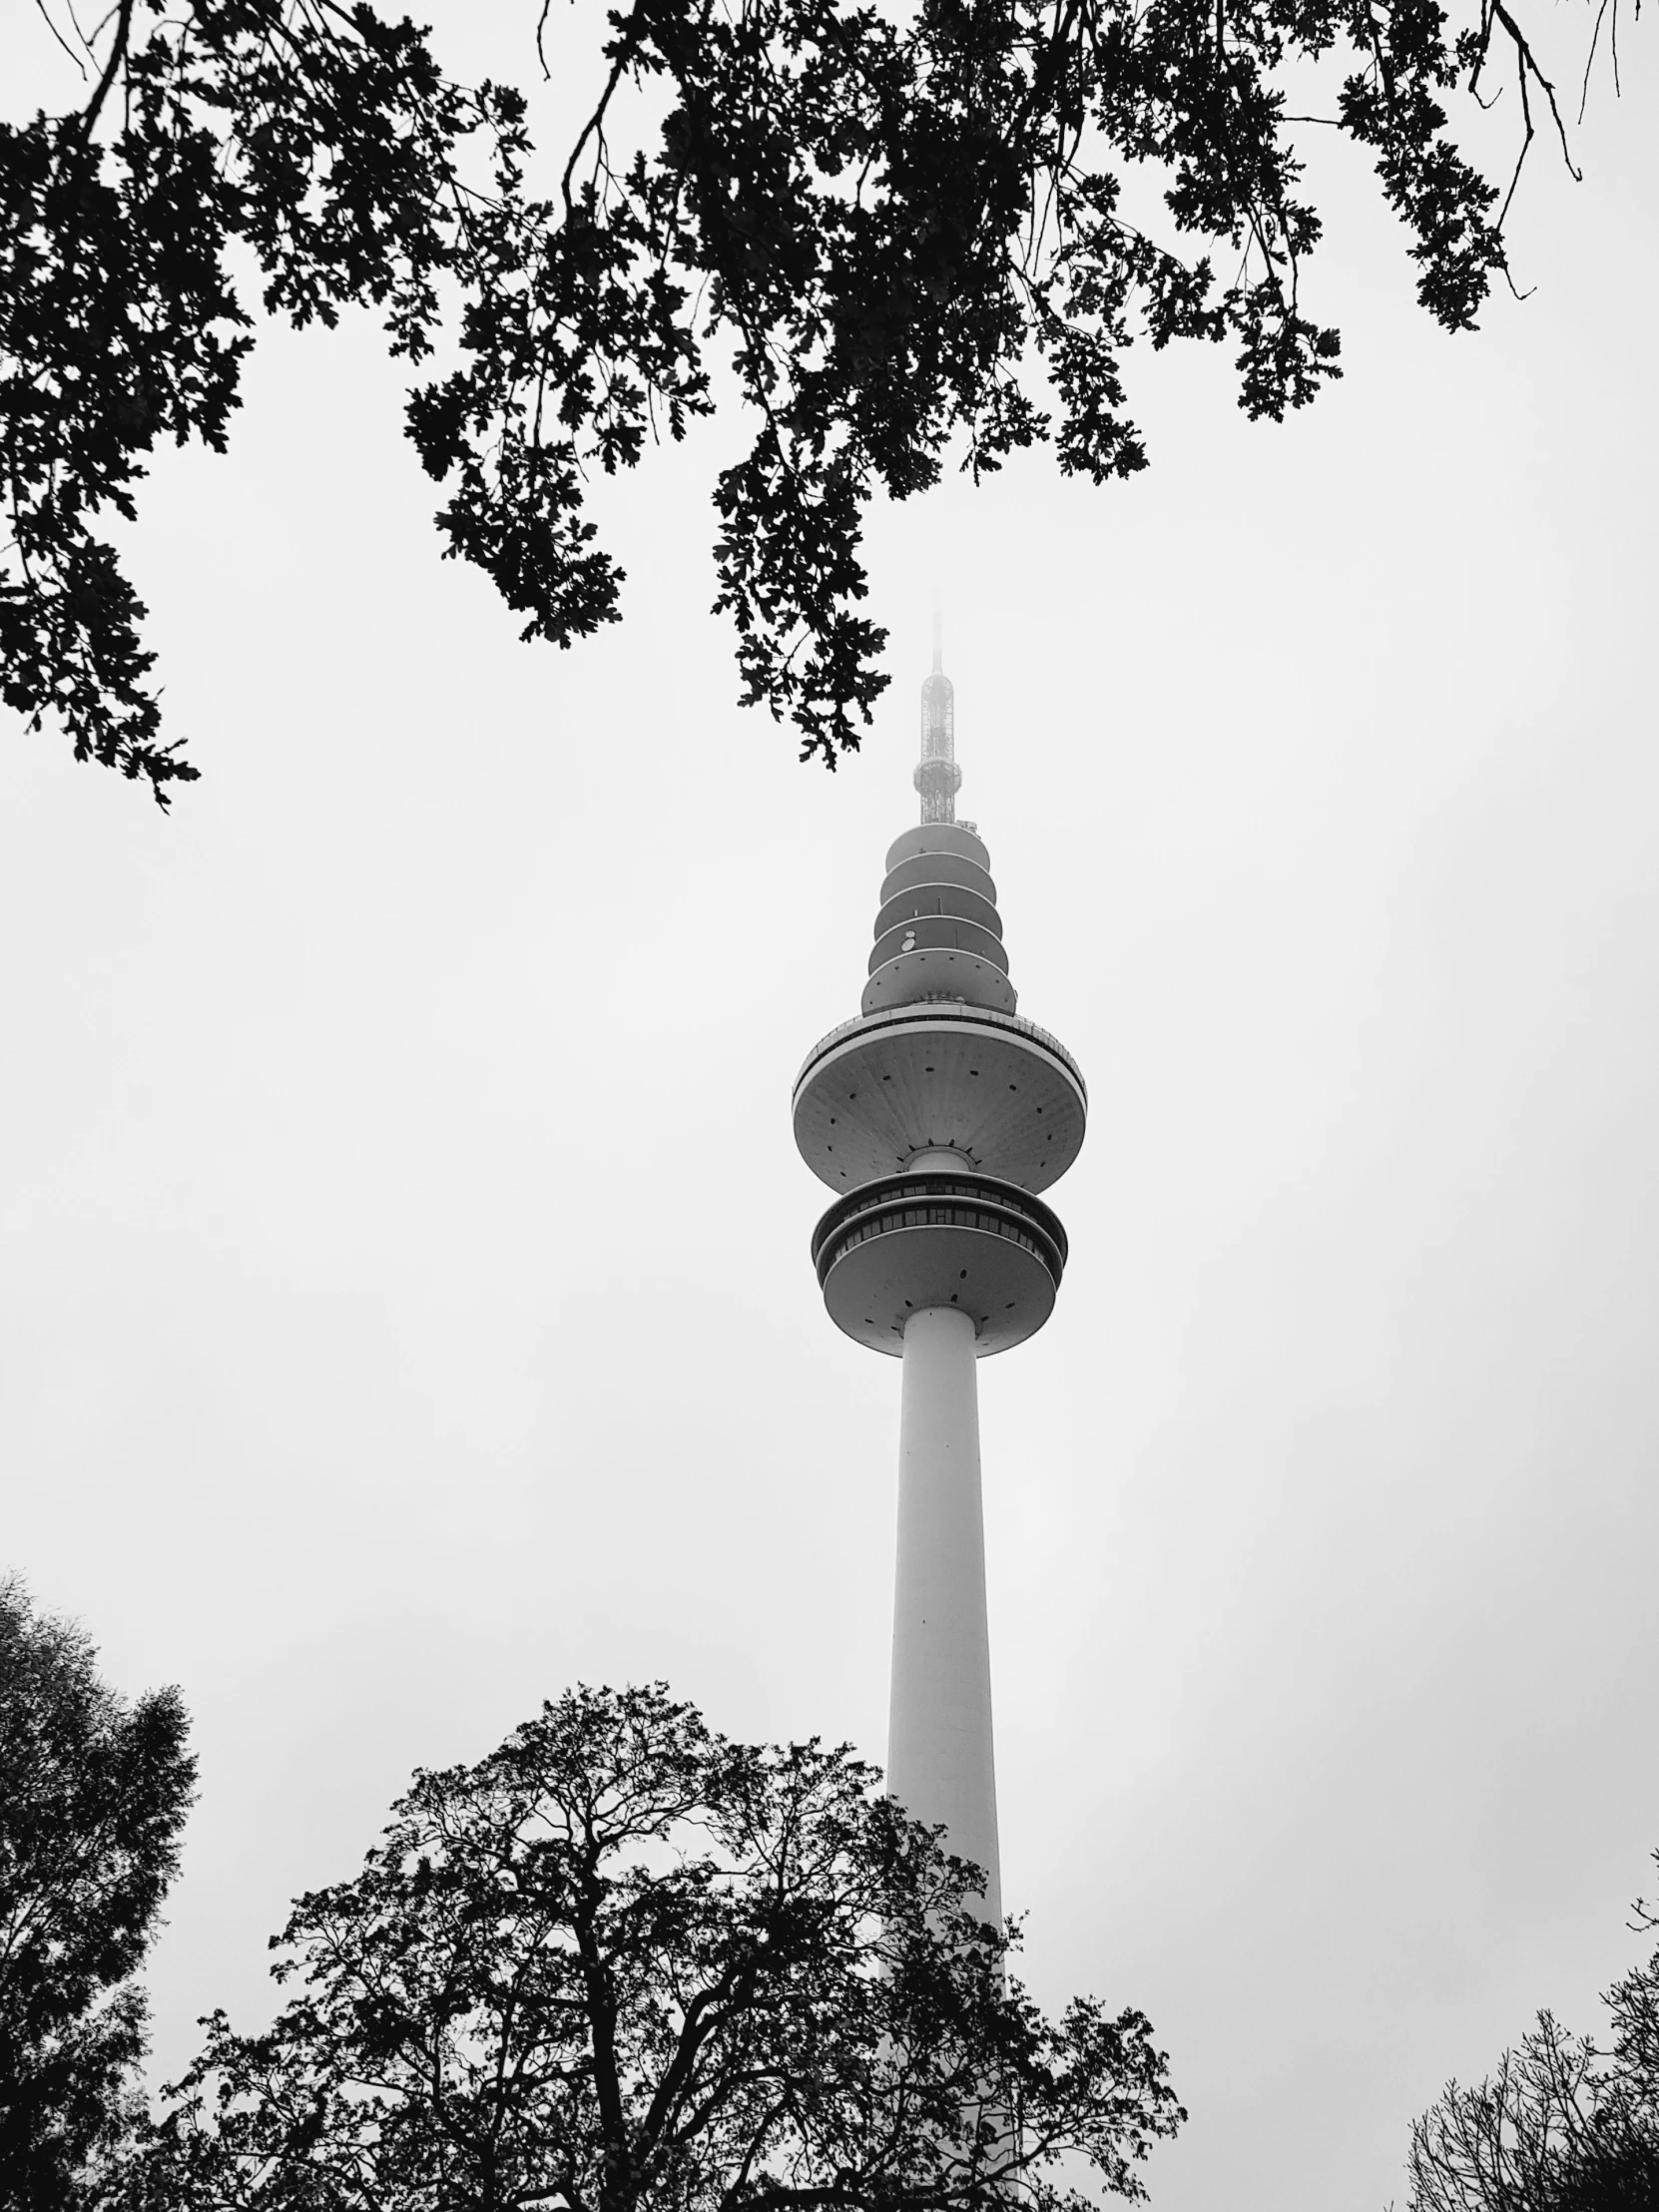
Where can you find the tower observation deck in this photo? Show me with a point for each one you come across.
(937, 1117)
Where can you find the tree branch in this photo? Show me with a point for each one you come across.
(117, 55)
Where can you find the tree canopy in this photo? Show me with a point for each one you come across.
(1564, 2125)
(918, 234)
(624, 1962)
(93, 1797)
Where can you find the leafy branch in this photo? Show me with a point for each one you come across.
(912, 237)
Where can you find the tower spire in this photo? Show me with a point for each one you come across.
(938, 777)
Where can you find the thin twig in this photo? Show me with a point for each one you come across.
(46, 17)
(1590, 57)
(595, 125)
(1526, 63)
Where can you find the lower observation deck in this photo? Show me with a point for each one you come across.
(940, 1238)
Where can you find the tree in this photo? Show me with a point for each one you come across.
(92, 1795)
(1562, 2127)
(920, 237)
(624, 1962)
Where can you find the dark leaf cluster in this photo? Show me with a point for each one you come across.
(93, 1797)
(909, 235)
(624, 1962)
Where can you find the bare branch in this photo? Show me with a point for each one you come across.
(117, 55)
(45, 14)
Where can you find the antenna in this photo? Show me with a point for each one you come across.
(938, 777)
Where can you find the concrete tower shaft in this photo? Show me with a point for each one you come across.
(936, 1116)
(941, 1749)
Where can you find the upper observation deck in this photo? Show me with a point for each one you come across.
(939, 1076)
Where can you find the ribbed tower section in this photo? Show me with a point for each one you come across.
(937, 1117)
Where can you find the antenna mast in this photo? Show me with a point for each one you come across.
(938, 777)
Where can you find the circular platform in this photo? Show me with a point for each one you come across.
(946, 1076)
(947, 967)
(905, 1243)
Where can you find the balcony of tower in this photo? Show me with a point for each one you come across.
(939, 1235)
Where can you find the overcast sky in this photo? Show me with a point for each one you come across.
(405, 1307)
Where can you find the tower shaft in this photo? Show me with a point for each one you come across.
(941, 1764)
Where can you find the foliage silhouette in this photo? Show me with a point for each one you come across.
(624, 1962)
(92, 1795)
(910, 231)
(1562, 2127)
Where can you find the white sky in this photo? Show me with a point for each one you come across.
(405, 1307)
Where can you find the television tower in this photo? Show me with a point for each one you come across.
(936, 1116)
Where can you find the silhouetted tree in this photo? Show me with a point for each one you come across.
(93, 1795)
(624, 1962)
(911, 232)
(1562, 2127)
